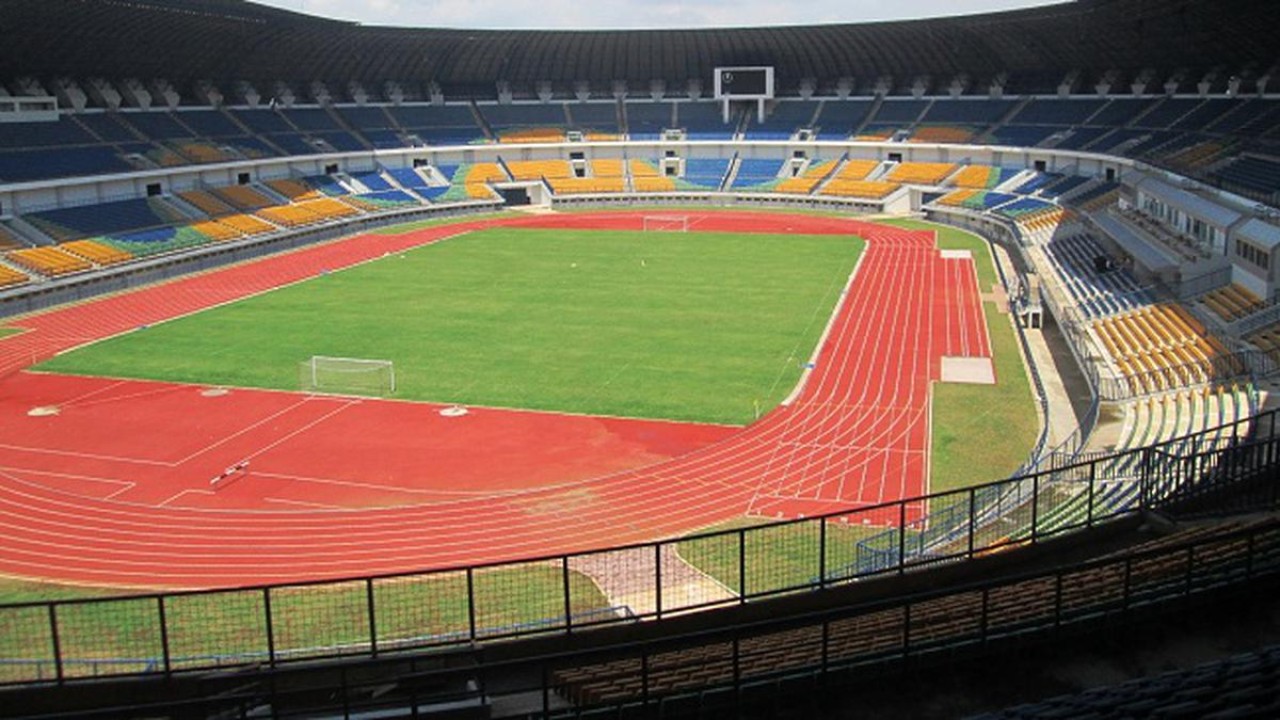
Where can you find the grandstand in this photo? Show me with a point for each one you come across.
(226, 131)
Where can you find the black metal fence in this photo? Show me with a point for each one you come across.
(163, 633)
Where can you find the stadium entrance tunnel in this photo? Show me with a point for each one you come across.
(515, 196)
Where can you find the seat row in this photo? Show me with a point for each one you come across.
(1014, 607)
(1232, 301)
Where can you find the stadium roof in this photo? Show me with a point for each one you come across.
(224, 41)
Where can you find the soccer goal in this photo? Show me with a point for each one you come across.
(348, 376)
(666, 223)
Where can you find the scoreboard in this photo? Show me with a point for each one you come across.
(744, 83)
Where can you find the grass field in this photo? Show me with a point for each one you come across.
(981, 432)
(5, 331)
(306, 620)
(651, 325)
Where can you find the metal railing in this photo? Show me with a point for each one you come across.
(162, 633)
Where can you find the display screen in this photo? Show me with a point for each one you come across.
(745, 82)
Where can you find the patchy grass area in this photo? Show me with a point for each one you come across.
(124, 634)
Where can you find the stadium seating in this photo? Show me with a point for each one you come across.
(9, 239)
(527, 123)
(48, 261)
(1232, 301)
(1096, 295)
(408, 178)
(539, 169)
(31, 165)
(597, 121)
(645, 177)
(383, 200)
(373, 181)
(96, 252)
(703, 173)
(702, 120)
(805, 183)
(865, 189)
(44, 134)
(243, 197)
(981, 176)
(943, 134)
(839, 118)
(108, 218)
(439, 125)
(1255, 174)
(1013, 607)
(1242, 686)
(1161, 347)
(918, 173)
(585, 185)
(782, 122)
(10, 277)
(295, 190)
(647, 120)
(756, 174)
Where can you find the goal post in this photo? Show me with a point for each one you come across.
(665, 223)
(348, 376)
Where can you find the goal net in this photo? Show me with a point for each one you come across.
(666, 223)
(348, 376)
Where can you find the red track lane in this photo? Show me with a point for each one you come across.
(857, 435)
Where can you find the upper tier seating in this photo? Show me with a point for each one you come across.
(702, 120)
(972, 111)
(783, 120)
(597, 121)
(839, 118)
(943, 134)
(1058, 111)
(32, 165)
(535, 122)
(439, 124)
(1256, 174)
(899, 112)
(63, 132)
(647, 120)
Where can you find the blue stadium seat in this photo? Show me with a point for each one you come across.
(703, 121)
(647, 120)
(29, 165)
(755, 172)
(209, 123)
(44, 134)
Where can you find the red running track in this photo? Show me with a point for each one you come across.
(88, 503)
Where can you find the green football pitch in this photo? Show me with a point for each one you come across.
(701, 327)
